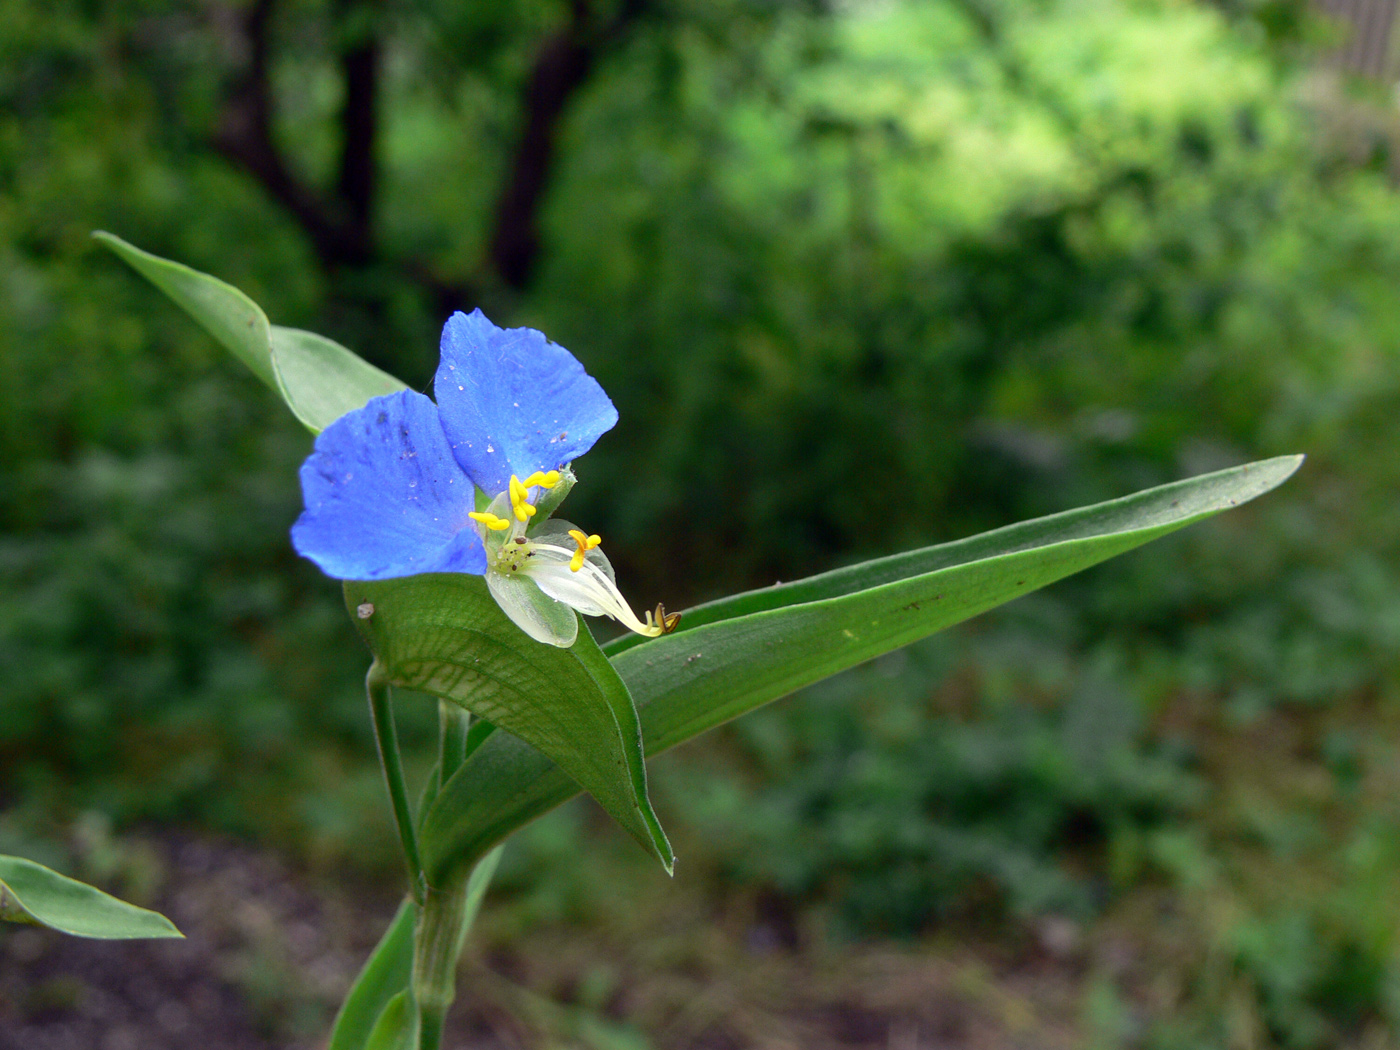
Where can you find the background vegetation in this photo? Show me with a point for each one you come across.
(859, 276)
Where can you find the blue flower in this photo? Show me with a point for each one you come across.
(405, 486)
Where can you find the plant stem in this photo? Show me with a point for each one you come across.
(453, 723)
(385, 735)
(430, 1029)
(437, 944)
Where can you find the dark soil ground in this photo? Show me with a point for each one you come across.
(264, 961)
(269, 953)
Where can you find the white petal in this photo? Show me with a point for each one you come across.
(534, 612)
(556, 531)
(589, 590)
(576, 589)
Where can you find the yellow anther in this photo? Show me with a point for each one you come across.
(490, 520)
(663, 620)
(542, 479)
(585, 544)
(520, 499)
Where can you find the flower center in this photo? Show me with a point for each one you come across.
(511, 550)
(513, 554)
(560, 574)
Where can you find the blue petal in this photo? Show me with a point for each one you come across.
(385, 497)
(512, 402)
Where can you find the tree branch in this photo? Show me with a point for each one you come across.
(244, 136)
(359, 118)
(562, 66)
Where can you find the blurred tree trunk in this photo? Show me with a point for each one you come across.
(1367, 48)
(244, 135)
(339, 221)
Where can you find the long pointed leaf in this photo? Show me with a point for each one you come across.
(385, 974)
(476, 891)
(396, 1028)
(319, 379)
(444, 635)
(691, 681)
(34, 894)
(1164, 504)
(390, 967)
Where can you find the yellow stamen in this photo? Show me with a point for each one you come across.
(663, 620)
(520, 499)
(520, 492)
(490, 520)
(585, 544)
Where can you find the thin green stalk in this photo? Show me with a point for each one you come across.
(445, 912)
(453, 723)
(385, 735)
(436, 947)
(430, 1029)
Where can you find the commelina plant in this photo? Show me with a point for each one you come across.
(404, 486)
(439, 516)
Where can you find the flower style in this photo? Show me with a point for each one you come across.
(405, 486)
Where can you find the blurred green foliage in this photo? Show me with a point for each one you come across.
(878, 793)
(858, 276)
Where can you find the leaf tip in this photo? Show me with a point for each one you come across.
(1284, 467)
(664, 852)
(109, 241)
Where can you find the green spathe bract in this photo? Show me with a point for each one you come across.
(32, 893)
(441, 634)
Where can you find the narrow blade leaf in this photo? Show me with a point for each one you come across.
(396, 1028)
(221, 309)
(385, 974)
(776, 640)
(319, 379)
(442, 634)
(390, 967)
(476, 891)
(1176, 504)
(34, 894)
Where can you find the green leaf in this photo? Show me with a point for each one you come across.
(390, 967)
(385, 974)
(476, 891)
(37, 895)
(319, 379)
(1176, 504)
(442, 634)
(741, 652)
(396, 1028)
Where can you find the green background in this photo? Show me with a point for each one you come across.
(858, 277)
